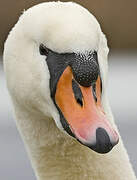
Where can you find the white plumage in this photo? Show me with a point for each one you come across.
(64, 28)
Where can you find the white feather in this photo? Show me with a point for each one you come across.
(62, 27)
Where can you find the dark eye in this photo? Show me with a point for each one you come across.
(43, 50)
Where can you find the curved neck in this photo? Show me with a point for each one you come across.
(57, 156)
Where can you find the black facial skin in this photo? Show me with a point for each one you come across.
(85, 69)
(57, 63)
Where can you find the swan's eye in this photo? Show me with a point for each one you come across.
(43, 50)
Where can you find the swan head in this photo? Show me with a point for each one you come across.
(56, 62)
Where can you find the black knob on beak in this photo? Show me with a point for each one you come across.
(85, 68)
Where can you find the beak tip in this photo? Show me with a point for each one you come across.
(103, 143)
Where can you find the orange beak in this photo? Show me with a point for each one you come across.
(86, 120)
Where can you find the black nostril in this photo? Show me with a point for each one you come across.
(77, 92)
(79, 101)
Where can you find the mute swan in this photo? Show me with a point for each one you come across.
(55, 61)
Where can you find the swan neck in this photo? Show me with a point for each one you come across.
(54, 155)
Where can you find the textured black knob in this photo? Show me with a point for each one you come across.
(85, 68)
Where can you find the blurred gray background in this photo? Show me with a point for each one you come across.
(118, 21)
